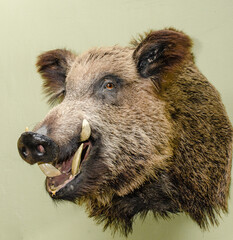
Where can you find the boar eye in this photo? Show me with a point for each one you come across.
(109, 85)
(107, 88)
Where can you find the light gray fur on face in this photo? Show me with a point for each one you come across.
(43, 130)
(128, 129)
(96, 63)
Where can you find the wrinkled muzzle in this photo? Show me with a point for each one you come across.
(34, 148)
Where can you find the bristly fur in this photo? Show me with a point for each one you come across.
(139, 38)
(162, 140)
(135, 41)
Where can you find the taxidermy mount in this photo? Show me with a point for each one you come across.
(133, 129)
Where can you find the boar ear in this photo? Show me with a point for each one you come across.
(161, 52)
(54, 66)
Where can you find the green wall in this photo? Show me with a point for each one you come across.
(29, 27)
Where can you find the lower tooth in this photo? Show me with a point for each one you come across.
(77, 160)
(49, 170)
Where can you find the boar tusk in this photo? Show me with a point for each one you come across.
(77, 160)
(86, 131)
(49, 170)
(26, 129)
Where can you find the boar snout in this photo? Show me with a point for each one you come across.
(61, 170)
(34, 147)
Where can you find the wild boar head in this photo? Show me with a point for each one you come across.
(137, 129)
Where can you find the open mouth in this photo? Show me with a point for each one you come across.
(60, 174)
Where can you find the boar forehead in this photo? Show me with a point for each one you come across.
(96, 63)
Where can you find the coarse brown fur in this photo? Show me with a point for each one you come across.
(162, 138)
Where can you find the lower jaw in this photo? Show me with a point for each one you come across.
(62, 183)
(54, 191)
(65, 191)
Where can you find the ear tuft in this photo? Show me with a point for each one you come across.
(54, 66)
(138, 39)
(161, 52)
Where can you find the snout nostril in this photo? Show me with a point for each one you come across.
(40, 149)
(25, 151)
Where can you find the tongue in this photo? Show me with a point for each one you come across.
(65, 169)
(54, 182)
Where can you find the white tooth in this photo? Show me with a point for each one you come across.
(86, 131)
(26, 129)
(49, 170)
(77, 160)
